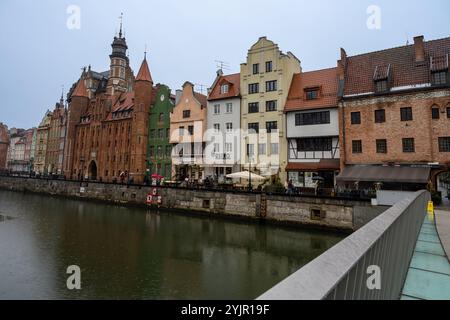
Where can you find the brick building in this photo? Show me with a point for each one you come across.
(107, 125)
(395, 116)
(4, 143)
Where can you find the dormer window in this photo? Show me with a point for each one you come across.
(381, 78)
(312, 93)
(439, 78)
(224, 88)
(439, 70)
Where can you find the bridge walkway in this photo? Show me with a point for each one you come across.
(429, 272)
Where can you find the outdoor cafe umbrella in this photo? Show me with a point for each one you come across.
(156, 176)
(245, 175)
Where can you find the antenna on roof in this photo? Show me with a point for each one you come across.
(201, 86)
(222, 65)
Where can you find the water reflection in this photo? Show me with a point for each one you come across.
(128, 253)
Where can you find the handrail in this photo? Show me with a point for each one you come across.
(341, 273)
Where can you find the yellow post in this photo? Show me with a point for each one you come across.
(430, 211)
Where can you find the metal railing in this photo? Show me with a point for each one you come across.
(341, 273)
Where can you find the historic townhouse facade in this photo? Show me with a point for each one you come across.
(41, 144)
(159, 154)
(187, 134)
(107, 126)
(312, 129)
(223, 121)
(265, 81)
(56, 139)
(395, 113)
(4, 144)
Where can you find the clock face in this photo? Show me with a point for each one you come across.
(162, 97)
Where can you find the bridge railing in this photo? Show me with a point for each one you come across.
(344, 271)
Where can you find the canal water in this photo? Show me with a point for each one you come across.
(131, 253)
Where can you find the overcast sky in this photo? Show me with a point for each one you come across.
(39, 53)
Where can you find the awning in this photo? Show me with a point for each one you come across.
(322, 165)
(384, 174)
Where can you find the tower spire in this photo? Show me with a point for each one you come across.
(121, 22)
(61, 101)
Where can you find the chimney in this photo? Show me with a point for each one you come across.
(178, 96)
(419, 49)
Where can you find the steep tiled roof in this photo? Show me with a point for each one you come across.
(326, 80)
(144, 72)
(234, 90)
(405, 71)
(80, 89)
(200, 98)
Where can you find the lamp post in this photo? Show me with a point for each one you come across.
(250, 165)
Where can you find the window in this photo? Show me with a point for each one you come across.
(381, 146)
(314, 144)
(253, 88)
(380, 116)
(271, 105)
(224, 88)
(357, 146)
(256, 68)
(181, 131)
(262, 149)
(161, 117)
(381, 86)
(152, 134)
(151, 151)
(439, 78)
(250, 150)
(228, 147)
(186, 114)
(216, 147)
(161, 133)
(168, 151)
(191, 130)
(444, 144)
(408, 145)
(406, 114)
(312, 118)
(229, 127)
(274, 148)
(271, 126)
(356, 117)
(253, 107)
(435, 113)
(269, 66)
(159, 152)
(216, 127)
(217, 109)
(271, 86)
(448, 112)
(253, 127)
(229, 108)
(312, 94)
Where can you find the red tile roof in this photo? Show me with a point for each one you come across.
(144, 73)
(405, 71)
(80, 89)
(234, 90)
(200, 98)
(327, 82)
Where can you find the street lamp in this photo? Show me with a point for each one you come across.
(250, 165)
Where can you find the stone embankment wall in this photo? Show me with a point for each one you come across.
(320, 212)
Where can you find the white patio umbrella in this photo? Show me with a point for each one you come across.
(244, 175)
